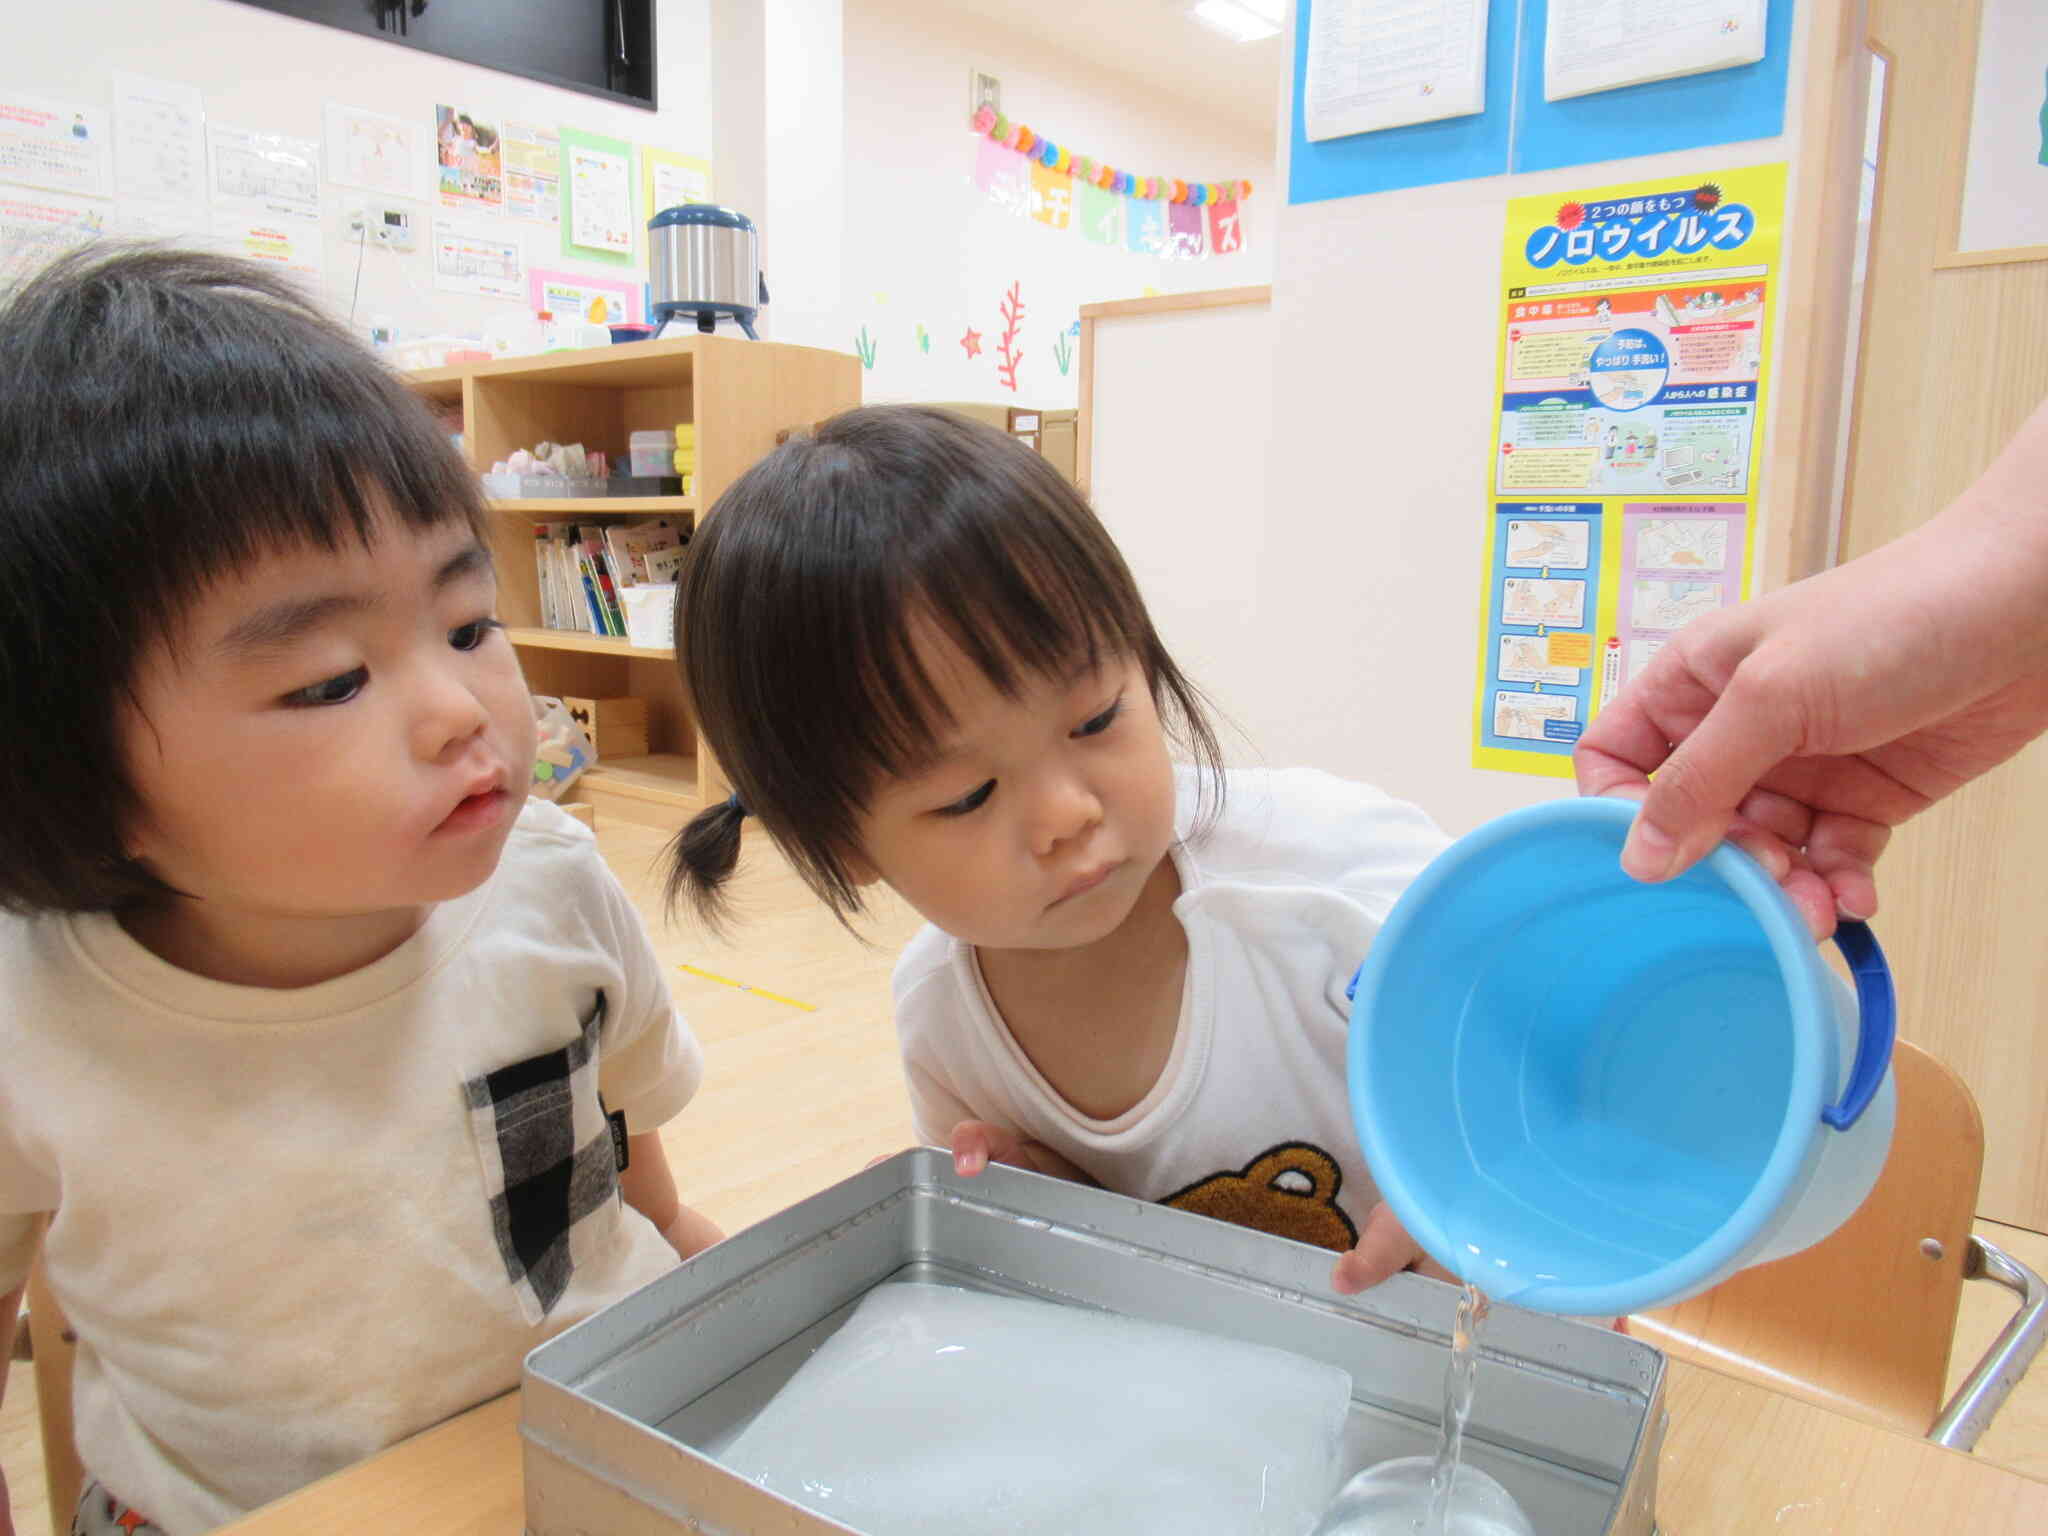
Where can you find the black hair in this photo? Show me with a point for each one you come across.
(794, 636)
(166, 417)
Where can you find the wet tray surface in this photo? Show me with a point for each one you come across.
(623, 1416)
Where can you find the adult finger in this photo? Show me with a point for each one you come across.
(1785, 817)
(1844, 851)
(1709, 773)
(1773, 852)
(1632, 737)
(1662, 705)
(1811, 897)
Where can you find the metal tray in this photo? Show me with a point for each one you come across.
(622, 1416)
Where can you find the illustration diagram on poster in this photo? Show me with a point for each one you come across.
(1634, 350)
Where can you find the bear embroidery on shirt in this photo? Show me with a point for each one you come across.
(1289, 1191)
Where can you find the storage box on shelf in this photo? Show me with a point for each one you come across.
(737, 395)
(616, 727)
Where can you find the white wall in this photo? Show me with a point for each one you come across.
(272, 73)
(924, 247)
(804, 229)
(1182, 415)
(838, 125)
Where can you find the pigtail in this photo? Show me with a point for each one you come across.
(703, 857)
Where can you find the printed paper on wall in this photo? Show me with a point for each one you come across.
(1634, 349)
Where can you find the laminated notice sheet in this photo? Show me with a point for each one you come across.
(1602, 45)
(1386, 63)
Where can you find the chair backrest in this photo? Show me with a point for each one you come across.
(1862, 1321)
(54, 1346)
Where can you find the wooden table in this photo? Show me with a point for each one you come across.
(1738, 1460)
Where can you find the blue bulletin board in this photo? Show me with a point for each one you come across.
(1418, 155)
(1724, 106)
(1520, 131)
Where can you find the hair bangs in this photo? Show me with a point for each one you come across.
(171, 416)
(319, 492)
(1017, 600)
(822, 595)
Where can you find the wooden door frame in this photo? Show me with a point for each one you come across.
(1157, 304)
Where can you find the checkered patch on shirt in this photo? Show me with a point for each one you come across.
(549, 1163)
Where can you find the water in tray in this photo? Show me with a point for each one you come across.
(1393, 1499)
(1434, 1495)
(934, 1409)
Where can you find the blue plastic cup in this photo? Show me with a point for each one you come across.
(1589, 1096)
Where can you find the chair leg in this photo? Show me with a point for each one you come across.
(1968, 1413)
(63, 1475)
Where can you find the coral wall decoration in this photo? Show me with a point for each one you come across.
(1007, 350)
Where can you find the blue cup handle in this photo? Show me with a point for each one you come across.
(1878, 1010)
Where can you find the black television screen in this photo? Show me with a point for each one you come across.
(601, 47)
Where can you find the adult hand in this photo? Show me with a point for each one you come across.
(1384, 1248)
(1806, 725)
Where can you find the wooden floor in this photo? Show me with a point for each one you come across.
(794, 1100)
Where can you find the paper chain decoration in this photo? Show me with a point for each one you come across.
(1057, 158)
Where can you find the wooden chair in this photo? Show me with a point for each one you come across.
(53, 1344)
(1863, 1321)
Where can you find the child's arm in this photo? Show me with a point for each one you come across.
(10, 1309)
(650, 1188)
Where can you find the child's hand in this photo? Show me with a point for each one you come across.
(1384, 1248)
(977, 1143)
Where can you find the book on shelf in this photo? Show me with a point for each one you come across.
(598, 623)
(665, 566)
(631, 543)
(598, 564)
(582, 567)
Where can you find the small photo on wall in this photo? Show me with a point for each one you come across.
(470, 158)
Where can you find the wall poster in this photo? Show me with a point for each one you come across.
(1634, 348)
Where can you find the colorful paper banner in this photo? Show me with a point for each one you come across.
(1151, 215)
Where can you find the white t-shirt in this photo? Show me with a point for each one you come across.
(1250, 1120)
(275, 1232)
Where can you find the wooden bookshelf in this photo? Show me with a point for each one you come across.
(660, 790)
(551, 508)
(739, 394)
(579, 640)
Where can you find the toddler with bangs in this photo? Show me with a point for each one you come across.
(922, 661)
(315, 1032)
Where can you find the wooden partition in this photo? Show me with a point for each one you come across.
(1951, 362)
